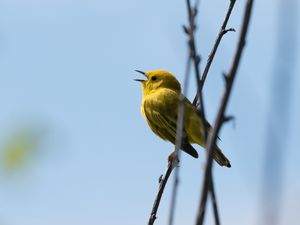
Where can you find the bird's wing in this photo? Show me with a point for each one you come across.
(207, 124)
(162, 119)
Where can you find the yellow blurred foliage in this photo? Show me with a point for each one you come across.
(19, 150)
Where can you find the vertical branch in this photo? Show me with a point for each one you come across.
(193, 56)
(221, 113)
(179, 133)
(214, 202)
(190, 31)
(198, 101)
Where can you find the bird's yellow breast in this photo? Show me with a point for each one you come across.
(159, 108)
(161, 100)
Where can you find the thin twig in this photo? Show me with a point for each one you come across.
(211, 56)
(192, 13)
(179, 134)
(162, 183)
(221, 113)
(214, 202)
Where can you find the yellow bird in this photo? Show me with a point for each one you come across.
(161, 96)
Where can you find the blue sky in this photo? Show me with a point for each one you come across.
(68, 67)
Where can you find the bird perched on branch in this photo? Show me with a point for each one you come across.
(161, 97)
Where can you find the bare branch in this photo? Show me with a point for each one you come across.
(194, 55)
(200, 82)
(163, 179)
(214, 202)
(211, 56)
(219, 120)
(179, 135)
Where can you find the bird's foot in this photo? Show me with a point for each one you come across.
(173, 159)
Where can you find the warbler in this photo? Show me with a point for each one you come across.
(161, 97)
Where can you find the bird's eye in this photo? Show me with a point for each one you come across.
(153, 78)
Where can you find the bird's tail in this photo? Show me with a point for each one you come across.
(221, 158)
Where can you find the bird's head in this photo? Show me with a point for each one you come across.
(158, 79)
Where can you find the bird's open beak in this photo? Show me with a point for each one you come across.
(140, 80)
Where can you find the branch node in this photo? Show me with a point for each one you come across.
(160, 179)
(195, 12)
(186, 29)
(230, 30)
(228, 118)
(226, 78)
(224, 31)
(153, 217)
(198, 59)
(194, 27)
